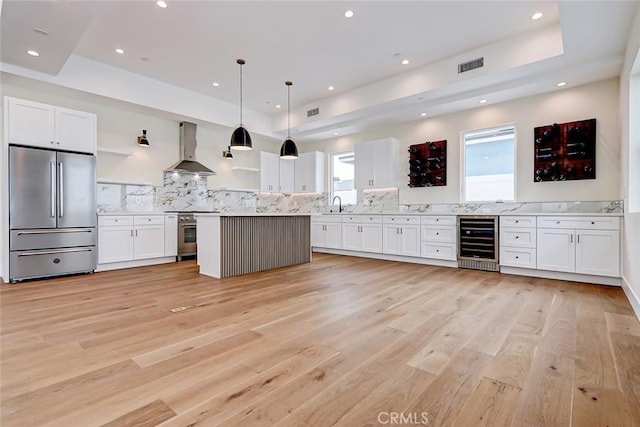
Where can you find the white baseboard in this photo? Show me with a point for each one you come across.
(387, 257)
(135, 263)
(572, 277)
(634, 299)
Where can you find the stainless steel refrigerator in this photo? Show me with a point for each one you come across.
(52, 213)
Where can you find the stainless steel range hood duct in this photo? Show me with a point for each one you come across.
(187, 163)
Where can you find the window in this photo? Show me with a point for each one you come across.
(342, 175)
(489, 165)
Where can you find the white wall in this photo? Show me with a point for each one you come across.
(119, 123)
(630, 171)
(598, 100)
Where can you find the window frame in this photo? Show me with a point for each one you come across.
(330, 157)
(463, 152)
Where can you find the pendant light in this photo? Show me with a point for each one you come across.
(240, 138)
(288, 149)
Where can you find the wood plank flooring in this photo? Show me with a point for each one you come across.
(339, 341)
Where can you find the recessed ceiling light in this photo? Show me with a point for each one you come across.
(405, 61)
(120, 51)
(41, 31)
(33, 53)
(278, 106)
(330, 88)
(483, 101)
(348, 14)
(216, 84)
(336, 133)
(423, 114)
(161, 4)
(536, 15)
(561, 84)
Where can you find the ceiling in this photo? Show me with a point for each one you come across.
(191, 44)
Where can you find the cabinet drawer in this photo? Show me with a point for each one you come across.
(438, 220)
(518, 221)
(326, 219)
(583, 222)
(149, 220)
(111, 221)
(518, 257)
(401, 219)
(518, 237)
(438, 234)
(372, 219)
(445, 251)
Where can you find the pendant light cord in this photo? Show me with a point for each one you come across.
(240, 94)
(288, 111)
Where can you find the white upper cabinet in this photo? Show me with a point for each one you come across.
(309, 173)
(376, 164)
(41, 125)
(287, 175)
(269, 172)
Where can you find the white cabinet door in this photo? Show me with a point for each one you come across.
(556, 249)
(171, 235)
(410, 240)
(148, 241)
(309, 173)
(115, 244)
(391, 239)
(269, 172)
(376, 164)
(363, 166)
(30, 123)
(75, 130)
(318, 235)
(385, 163)
(598, 252)
(287, 175)
(334, 235)
(351, 237)
(371, 237)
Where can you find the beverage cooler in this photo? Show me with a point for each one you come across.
(478, 243)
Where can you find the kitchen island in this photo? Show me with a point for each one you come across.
(234, 244)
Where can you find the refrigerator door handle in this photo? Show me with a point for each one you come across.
(52, 185)
(56, 231)
(61, 191)
(56, 251)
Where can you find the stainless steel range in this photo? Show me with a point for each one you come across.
(187, 230)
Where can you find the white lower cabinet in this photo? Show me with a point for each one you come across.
(326, 232)
(362, 233)
(171, 235)
(124, 238)
(401, 235)
(438, 238)
(594, 250)
(518, 241)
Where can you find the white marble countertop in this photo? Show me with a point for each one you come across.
(619, 214)
(255, 214)
(135, 213)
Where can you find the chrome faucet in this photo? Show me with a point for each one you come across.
(339, 200)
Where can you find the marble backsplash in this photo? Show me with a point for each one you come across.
(183, 193)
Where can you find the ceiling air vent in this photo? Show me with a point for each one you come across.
(471, 65)
(313, 112)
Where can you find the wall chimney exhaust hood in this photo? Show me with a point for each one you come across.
(187, 163)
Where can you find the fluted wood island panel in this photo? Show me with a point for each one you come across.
(240, 244)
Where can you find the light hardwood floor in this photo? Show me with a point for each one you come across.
(340, 341)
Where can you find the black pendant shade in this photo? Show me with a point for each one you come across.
(240, 138)
(142, 139)
(288, 149)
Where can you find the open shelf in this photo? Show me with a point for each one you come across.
(242, 168)
(115, 152)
